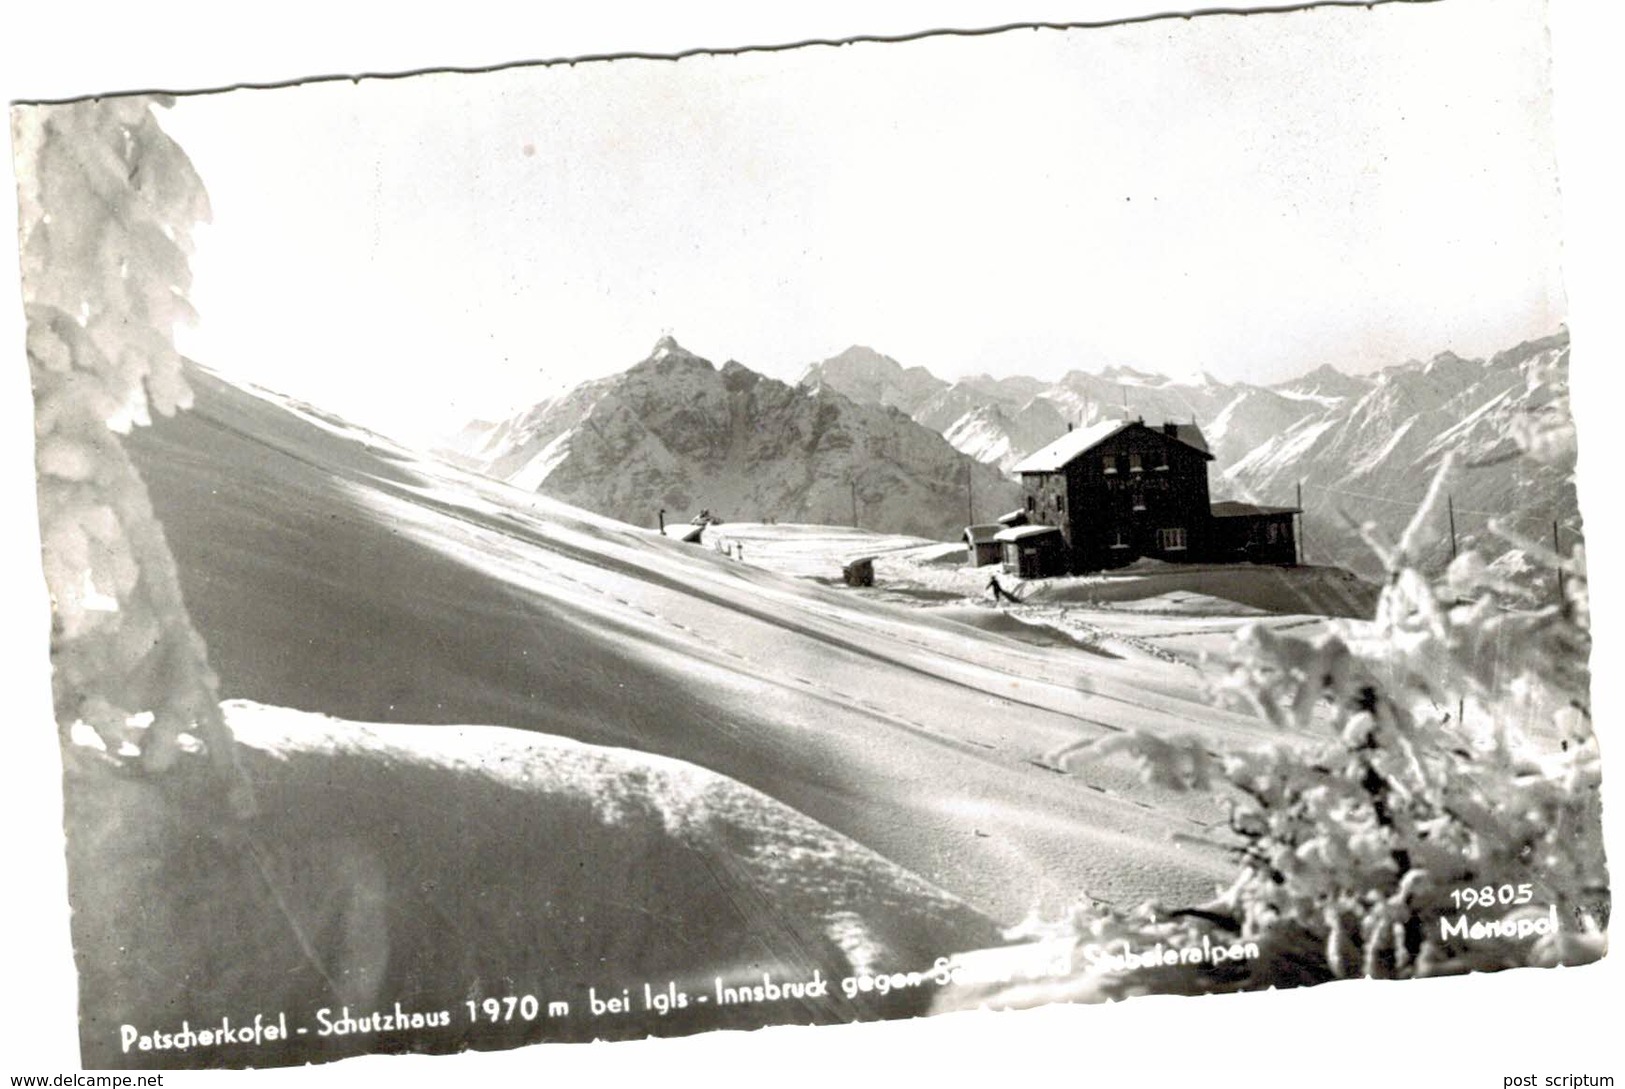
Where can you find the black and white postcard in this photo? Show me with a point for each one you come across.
(884, 523)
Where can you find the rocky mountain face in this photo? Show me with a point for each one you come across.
(677, 433)
(870, 378)
(1364, 447)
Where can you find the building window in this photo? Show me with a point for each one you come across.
(1274, 532)
(1139, 500)
(1109, 463)
(1171, 540)
(1134, 465)
(1117, 538)
(1032, 504)
(1060, 504)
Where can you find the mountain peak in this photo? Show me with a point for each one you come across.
(1324, 381)
(870, 377)
(858, 353)
(667, 345)
(668, 351)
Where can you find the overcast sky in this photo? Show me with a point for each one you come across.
(1250, 196)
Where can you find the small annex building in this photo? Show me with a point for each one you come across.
(980, 547)
(1250, 533)
(1033, 551)
(1120, 490)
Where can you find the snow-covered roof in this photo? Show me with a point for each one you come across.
(1014, 518)
(981, 534)
(1081, 440)
(1069, 446)
(1022, 533)
(1229, 508)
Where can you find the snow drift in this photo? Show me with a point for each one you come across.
(417, 869)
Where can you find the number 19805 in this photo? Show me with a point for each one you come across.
(1491, 895)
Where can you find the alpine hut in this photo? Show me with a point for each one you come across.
(1119, 490)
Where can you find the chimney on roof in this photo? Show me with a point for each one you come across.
(1171, 429)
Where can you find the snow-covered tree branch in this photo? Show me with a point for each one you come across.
(106, 205)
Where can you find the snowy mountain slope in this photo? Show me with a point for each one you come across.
(333, 573)
(422, 867)
(458, 448)
(979, 392)
(676, 433)
(1372, 457)
(1252, 416)
(1003, 436)
(1326, 384)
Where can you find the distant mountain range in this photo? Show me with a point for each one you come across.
(1368, 454)
(913, 453)
(675, 432)
(1002, 420)
(1363, 447)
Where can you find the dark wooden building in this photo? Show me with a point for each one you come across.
(1247, 532)
(1119, 490)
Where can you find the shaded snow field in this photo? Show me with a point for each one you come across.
(684, 762)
